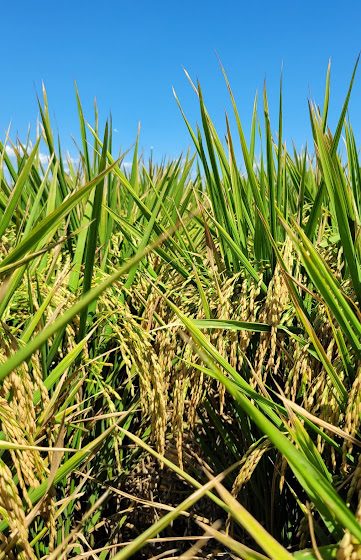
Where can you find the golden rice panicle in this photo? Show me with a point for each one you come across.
(18, 421)
(329, 411)
(320, 382)
(152, 386)
(196, 378)
(188, 388)
(180, 384)
(324, 330)
(48, 513)
(19, 388)
(152, 305)
(137, 352)
(276, 303)
(322, 400)
(164, 343)
(283, 464)
(352, 416)
(158, 404)
(228, 305)
(249, 464)
(222, 341)
(245, 308)
(349, 548)
(197, 388)
(11, 503)
(317, 387)
(334, 257)
(28, 463)
(300, 374)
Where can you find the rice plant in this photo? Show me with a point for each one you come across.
(180, 344)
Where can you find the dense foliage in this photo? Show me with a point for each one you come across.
(180, 345)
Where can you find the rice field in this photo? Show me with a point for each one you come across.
(180, 344)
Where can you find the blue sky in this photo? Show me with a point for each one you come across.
(129, 54)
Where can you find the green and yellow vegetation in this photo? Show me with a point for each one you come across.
(180, 345)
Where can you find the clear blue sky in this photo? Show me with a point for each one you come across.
(128, 54)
